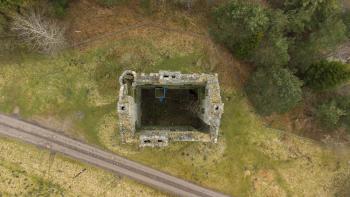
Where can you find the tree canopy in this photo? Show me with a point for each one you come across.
(325, 75)
(296, 33)
(240, 26)
(274, 89)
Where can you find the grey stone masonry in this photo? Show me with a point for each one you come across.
(129, 110)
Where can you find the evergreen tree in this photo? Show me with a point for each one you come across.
(273, 50)
(240, 26)
(326, 75)
(274, 89)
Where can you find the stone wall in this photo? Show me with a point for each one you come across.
(129, 108)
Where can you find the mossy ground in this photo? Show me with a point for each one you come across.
(81, 85)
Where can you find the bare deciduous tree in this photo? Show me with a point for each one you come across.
(38, 32)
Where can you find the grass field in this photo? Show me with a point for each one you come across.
(27, 171)
(78, 89)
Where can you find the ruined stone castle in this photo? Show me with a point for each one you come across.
(168, 106)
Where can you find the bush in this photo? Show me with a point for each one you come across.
(343, 102)
(240, 26)
(329, 114)
(59, 7)
(274, 89)
(326, 75)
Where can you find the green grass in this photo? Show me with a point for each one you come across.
(32, 185)
(84, 87)
(28, 171)
(81, 86)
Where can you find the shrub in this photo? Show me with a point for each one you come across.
(274, 89)
(240, 26)
(343, 102)
(329, 114)
(325, 75)
(59, 7)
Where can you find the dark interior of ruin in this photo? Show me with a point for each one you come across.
(172, 108)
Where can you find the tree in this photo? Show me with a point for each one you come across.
(274, 89)
(273, 50)
(315, 26)
(329, 114)
(326, 75)
(240, 26)
(38, 32)
(318, 43)
(308, 15)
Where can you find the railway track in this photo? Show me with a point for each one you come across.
(46, 138)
